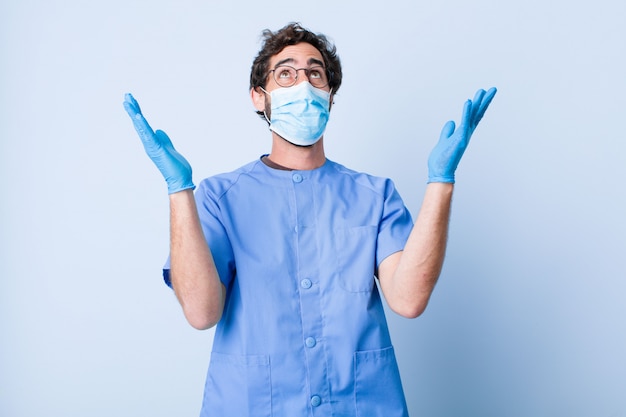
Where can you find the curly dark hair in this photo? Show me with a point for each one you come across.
(292, 34)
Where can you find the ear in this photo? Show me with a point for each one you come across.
(258, 98)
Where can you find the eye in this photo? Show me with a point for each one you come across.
(284, 73)
(316, 73)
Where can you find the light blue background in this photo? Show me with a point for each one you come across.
(528, 318)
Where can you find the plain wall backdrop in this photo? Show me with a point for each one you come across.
(528, 318)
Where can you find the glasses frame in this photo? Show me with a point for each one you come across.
(307, 72)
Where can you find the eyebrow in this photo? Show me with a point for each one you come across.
(310, 62)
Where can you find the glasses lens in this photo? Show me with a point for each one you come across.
(318, 77)
(285, 76)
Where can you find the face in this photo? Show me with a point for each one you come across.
(301, 55)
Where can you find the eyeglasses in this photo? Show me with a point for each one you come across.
(286, 76)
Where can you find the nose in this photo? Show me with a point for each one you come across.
(300, 79)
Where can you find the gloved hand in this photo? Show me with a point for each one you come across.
(445, 157)
(174, 167)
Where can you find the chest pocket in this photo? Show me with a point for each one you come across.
(356, 257)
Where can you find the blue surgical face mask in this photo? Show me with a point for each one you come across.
(299, 114)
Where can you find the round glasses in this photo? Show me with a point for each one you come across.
(286, 76)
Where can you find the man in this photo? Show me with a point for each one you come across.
(282, 253)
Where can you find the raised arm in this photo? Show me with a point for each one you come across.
(407, 278)
(192, 271)
(194, 277)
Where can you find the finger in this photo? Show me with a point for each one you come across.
(484, 104)
(130, 104)
(142, 127)
(130, 109)
(447, 130)
(467, 114)
(478, 97)
(139, 121)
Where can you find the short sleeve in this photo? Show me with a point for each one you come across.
(395, 224)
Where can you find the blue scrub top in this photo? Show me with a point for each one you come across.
(303, 332)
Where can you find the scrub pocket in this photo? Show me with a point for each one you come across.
(238, 386)
(377, 385)
(356, 255)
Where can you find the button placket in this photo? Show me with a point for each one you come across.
(310, 307)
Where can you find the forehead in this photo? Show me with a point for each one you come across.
(299, 55)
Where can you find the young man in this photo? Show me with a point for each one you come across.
(282, 253)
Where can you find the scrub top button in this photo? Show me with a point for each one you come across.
(306, 283)
(310, 342)
(316, 400)
(297, 178)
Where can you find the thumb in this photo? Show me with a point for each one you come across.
(447, 131)
(163, 139)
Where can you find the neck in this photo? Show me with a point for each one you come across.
(297, 157)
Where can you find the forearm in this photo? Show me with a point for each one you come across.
(408, 278)
(413, 273)
(194, 277)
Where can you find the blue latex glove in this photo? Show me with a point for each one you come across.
(174, 167)
(445, 157)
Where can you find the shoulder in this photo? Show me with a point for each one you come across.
(377, 184)
(218, 185)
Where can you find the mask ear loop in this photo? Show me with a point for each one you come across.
(265, 114)
(331, 99)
